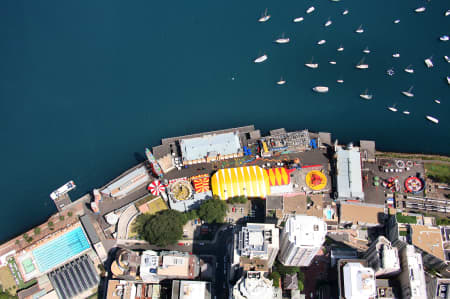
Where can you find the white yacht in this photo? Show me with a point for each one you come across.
(432, 119)
(428, 62)
(320, 89)
(408, 93)
(282, 40)
(62, 190)
(298, 20)
(340, 81)
(366, 95)
(396, 21)
(281, 81)
(447, 13)
(366, 50)
(396, 55)
(409, 69)
(321, 42)
(447, 58)
(265, 17)
(361, 65)
(393, 109)
(341, 48)
(444, 38)
(437, 101)
(448, 80)
(360, 29)
(328, 23)
(420, 9)
(312, 65)
(332, 62)
(310, 10)
(261, 59)
(406, 112)
(345, 12)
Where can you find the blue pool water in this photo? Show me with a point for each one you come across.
(61, 249)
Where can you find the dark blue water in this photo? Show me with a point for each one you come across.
(85, 85)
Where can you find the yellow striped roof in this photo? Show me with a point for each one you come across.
(250, 181)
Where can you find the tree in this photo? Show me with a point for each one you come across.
(283, 270)
(213, 211)
(37, 230)
(275, 276)
(161, 229)
(61, 218)
(301, 286)
(70, 214)
(50, 223)
(238, 199)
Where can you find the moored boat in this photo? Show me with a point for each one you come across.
(361, 65)
(310, 10)
(63, 190)
(261, 59)
(264, 18)
(341, 48)
(328, 23)
(396, 21)
(396, 55)
(448, 80)
(366, 50)
(429, 63)
(406, 112)
(332, 62)
(360, 29)
(282, 40)
(409, 69)
(408, 93)
(420, 9)
(444, 38)
(321, 42)
(447, 13)
(345, 12)
(437, 101)
(393, 109)
(366, 95)
(447, 58)
(340, 81)
(320, 89)
(298, 19)
(432, 119)
(281, 81)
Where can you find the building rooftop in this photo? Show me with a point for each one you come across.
(359, 281)
(361, 213)
(305, 230)
(256, 238)
(415, 272)
(253, 286)
(274, 202)
(128, 182)
(194, 290)
(349, 179)
(89, 229)
(210, 145)
(429, 239)
(367, 148)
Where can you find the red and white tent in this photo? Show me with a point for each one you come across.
(156, 188)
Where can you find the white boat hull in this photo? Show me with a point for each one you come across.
(362, 66)
(298, 20)
(62, 190)
(310, 10)
(321, 42)
(428, 63)
(321, 89)
(396, 55)
(282, 40)
(432, 119)
(263, 19)
(312, 65)
(420, 9)
(408, 94)
(393, 109)
(261, 59)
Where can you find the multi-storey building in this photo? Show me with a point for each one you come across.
(412, 276)
(383, 257)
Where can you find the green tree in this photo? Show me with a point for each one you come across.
(17, 242)
(37, 230)
(50, 224)
(283, 270)
(275, 276)
(213, 211)
(70, 214)
(161, 229)
(61, 218)
(301, 286)
(237, 199)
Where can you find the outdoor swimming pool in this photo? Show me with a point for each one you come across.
(60, 249)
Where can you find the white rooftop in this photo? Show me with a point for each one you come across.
(253, 286)
(359, 281)
(390, 258)
(149, 265)
(349, 179)
(210, 145)
(416, 272)
(306, 230)
(193, 289)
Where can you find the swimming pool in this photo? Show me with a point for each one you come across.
(60, 249)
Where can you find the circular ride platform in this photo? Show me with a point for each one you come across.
(316, 180)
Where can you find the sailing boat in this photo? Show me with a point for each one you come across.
(321, 42)
(409, 69)
(282, 39)
(345, 12)
(261, 59)
(396, 55)
(366, 50)
(408, 93)
(392, 108)
(298, 19)
(310, 10)
(396, 21)
(341, 48)
(360, 29)
(420, 9)
(361, 65)
(328, 23)
(311, 64)
(432, 119)
(265, 17)
(366, 96)
(340, 81)
(281, 81)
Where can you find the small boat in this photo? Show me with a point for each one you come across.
(282, 40)
(406, 112)
(345, 12)
(444, 38)
(396, 21)
(340, 81)
(447, 58)
(63, 190)
(366, 96)
(332, 62)
(447, 13)
(396, 55)
(366, 50)
(437, 101)
(320, 89)
(261, 59)
(409, 69)
(340, 49)
(328, 23)
(361, 65)
(310, 10)
(360, 29)
(448, 80)
(281, 81)
(298, 20)
(393, 109)
(428, 62)
(390, 72)
(312, 65)
(408, 93)
(432, 119)
(265, 17)
(420, 9)
(321, 42)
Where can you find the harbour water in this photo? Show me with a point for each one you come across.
(85, 85)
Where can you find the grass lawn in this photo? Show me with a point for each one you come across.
(406, 219)
(156, 205)
(7, 280)
(438, 172)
